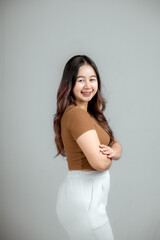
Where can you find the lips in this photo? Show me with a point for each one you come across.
(86, 92)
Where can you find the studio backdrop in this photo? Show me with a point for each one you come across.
(37, 39)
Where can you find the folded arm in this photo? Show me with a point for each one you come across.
(114, 152)
(89, 144)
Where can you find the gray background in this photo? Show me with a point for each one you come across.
(37, 38)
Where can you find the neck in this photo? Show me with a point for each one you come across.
(83, 106)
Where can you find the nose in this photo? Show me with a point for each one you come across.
(87, 84)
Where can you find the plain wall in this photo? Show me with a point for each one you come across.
(38, 38)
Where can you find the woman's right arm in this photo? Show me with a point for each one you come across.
(89, 144)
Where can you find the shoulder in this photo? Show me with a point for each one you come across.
(75, 112)
(77, 121)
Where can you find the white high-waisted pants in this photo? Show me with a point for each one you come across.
(81, 205)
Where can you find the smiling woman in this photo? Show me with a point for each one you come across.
(86, 85)
(80, 128)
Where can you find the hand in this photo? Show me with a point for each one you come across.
(107, 151)
(114, 152)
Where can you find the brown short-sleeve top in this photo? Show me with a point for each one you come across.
(74, 122)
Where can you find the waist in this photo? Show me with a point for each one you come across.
(86, 174)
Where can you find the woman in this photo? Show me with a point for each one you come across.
(83, 135)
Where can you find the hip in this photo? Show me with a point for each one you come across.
(84, 193)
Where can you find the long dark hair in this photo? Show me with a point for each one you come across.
(65, 97)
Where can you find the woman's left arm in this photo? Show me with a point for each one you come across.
(114, 152)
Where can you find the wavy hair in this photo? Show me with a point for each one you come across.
(65, 97)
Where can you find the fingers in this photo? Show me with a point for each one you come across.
(110, 155)
(106, 150)
(104, 147)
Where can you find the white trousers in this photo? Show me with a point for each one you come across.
(81, 205)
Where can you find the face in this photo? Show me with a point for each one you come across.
(86, 85)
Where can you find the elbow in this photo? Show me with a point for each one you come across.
(104, 165)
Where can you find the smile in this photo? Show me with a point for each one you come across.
(86, 93)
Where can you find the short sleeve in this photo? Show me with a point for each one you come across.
(79, 122)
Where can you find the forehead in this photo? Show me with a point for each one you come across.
(86, 70)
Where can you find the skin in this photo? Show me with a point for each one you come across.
(87, 82)
(113, 152)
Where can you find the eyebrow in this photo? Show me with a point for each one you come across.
(83, 76)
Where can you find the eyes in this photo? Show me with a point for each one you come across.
(82, 80)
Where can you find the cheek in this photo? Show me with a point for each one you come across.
(76, 89)
(95, 86)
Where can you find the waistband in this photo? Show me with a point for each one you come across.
(86, 174)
